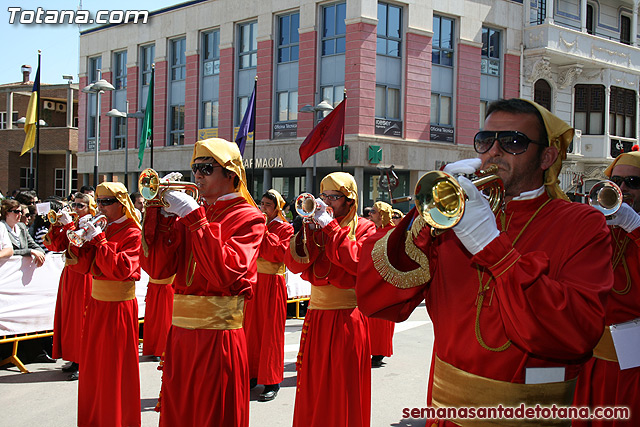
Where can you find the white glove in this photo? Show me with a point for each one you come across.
(477, 228)
(626, 218)
(465, 166)
(65, 218)
(322, 217)
(180, 203)
(85, 219)
(92, 231)
(173, 176)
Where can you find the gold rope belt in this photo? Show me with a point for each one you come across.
(166, 281)
(268, 267)
(208, 312)
(331, 298)
(453, 387)
(112, 290)
(605, 349)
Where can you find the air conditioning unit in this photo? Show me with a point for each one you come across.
(49, 105)
(61, 107)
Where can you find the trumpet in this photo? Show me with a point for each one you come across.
(605, 196)
(53, 216)
(152, 188)
(306, 207)
(440, 200)
(78, 237)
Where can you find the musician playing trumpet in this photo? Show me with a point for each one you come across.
(603, 382)
(212, 249)
(74, 290)
(334, 367)
(109, 383)
(516, 298)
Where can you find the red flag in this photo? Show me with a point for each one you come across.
(327, 134)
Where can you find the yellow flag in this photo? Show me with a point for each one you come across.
(31, 117)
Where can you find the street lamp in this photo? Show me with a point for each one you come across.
(324, 107)
(97, 88)
(126, 115)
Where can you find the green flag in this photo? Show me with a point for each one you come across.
(147, 123)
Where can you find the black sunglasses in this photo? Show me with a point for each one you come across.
(16, 211)
(332, 197)
(77, 205)
(633, 182)
(106, 202)
(204, 168)
(511, 141)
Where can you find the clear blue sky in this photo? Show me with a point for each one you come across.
(58, 42)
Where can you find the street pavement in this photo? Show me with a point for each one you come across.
(45, 398)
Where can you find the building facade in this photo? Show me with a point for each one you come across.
(418, 76)
(58, 138)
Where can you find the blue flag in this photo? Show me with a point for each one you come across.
(248, 124)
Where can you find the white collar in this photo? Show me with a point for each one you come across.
(528, 195)
(229, 196)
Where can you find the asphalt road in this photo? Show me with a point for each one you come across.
(45, 398)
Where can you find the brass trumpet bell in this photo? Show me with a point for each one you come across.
(306, 205)
(53, 216)
(441, 201)
(605, 196)
(152, 188)
(78, 237)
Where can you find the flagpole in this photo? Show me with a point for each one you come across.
(153, 72)
(38, 124)
(253, 118)
(342, 139)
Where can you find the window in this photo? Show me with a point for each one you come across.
(119, 133)
(176, 130)
(178, 59)
(333, 94)
(287, 106)
(625, 29)
(121, 70)
(288, 38)
(210, 114)
(148, 54)
(542, 11)
(26, 178)
(490, 62)
(210, 79)
(248, 51)
(387, 102)
(440, 109)
(211, 53)
(334, 29)
(3, 119)
(542, 93)
(95, 64)
(389, 30)
(443, 31)
(243, 103)
(590, 23)
(59, 185)
(622, 112)
(589, 109)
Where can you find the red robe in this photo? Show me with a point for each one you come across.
(109, 384)
(205, 379)
(74, 293)
(334, 364)
(266, 313)
(601, 382)
(381, 330)
(159, 299)
(546, 292)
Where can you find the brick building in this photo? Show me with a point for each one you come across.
(418, 76)
(58, 138)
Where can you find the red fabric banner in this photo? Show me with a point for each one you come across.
(327, 134)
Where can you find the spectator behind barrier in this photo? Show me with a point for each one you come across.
(23, 243)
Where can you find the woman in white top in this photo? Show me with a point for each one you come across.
(6, 248)
(22, 242)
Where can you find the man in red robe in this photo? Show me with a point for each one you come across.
(334, 365)
(381, 330)
(74, 291)
(266, 313)
(517, 300)
(212, 250)
(602, 382)
(109, 383)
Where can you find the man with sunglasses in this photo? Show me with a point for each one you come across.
(109, 377)
(516, 299)
(603, 382)
(212, 250)
(334, 367)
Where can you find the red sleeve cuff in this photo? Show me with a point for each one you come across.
(195, 220)
(99, 240)
(498, 256)
(331, 228)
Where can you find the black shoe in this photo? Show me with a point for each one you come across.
(376, 361)
(269, 393)
(44, 358)
(155, 358)
(253, 382)
(70, 367)
(73, 377)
